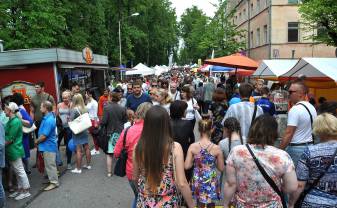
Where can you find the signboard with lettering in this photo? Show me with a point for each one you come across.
(26, 89)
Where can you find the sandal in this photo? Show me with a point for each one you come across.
(109, 175)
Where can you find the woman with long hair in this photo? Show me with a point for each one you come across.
(114, 117)
(206, 157)
(192, 105)
(159, 164)
(92, 107)
(80, 139)
(245, 186)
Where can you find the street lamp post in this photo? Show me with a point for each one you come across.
(120, 41)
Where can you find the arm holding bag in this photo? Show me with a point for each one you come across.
(80, 124)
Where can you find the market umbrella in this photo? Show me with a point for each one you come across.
(235, 61)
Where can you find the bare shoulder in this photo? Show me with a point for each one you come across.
(216, 149)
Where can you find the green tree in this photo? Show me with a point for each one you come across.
(31, 23)
(321, 15)
(201, 35)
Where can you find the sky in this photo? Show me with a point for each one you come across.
(205, 5)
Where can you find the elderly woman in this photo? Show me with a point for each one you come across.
(315, 167)
(245, 186)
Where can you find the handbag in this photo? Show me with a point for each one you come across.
(268, 179)
(103, 138)
(81, 123)
(315, 182)
(120, 167)
(28, 130)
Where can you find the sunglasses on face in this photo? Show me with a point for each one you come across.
(291, 91)
(154, 85)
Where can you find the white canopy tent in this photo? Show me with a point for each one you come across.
(314, 68)
(274, 68)
(160, 69)
(140, 69)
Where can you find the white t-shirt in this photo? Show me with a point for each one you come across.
(298, 116)
(190, 110)
(92, 108)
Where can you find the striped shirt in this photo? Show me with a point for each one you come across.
(243, 112)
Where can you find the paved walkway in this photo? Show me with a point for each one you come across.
(92, 188)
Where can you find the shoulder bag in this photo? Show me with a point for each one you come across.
(314, 184)
(120, 167)
(311, 120)
(267, 178)
(81, 123)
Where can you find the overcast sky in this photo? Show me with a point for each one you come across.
(205, 5)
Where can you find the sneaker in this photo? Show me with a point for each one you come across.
(109, 175)
(14, 194)
(87, 167)
(51, 186)
(22, 196)
(69, 167)
(78, 171)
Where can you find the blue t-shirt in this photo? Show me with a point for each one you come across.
(132, 102)
(48, 129)
(266, 105)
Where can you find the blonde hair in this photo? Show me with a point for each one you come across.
(165, 95)
(325, 125)
(78, 102)
(142, 110)
(205, 126)
(66, 93)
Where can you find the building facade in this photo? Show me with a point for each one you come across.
(273, 30)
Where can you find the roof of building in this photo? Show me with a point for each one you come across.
(50, 55)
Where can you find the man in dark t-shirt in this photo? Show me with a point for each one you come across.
(137, 98)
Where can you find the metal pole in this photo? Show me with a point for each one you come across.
(120, 48)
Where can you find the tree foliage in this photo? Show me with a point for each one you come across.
(321, 15)
(201, 34)
(73, 24)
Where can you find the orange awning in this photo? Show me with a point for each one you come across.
(235, 61)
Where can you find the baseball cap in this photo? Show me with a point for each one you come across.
(12, 106)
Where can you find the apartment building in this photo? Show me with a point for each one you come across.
(273, 30)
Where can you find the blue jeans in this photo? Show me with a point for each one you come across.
(2, 192)
(135, 191)
(296, 152)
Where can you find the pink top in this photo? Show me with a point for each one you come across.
(131, 140)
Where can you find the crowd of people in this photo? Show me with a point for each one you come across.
(192, 141)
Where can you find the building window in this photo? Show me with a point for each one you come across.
(258, 37)
(251, 39)
(292, 31)
(244, 13)
(293, 1)
(265, 33)
(258, 6)
(240, 16)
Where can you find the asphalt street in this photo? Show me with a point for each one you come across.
(91, 188)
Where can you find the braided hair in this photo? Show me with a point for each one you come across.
(232, 125)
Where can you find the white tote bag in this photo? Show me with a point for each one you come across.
(28, 130)
(81, 123)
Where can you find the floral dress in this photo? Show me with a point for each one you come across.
(166, 196)
(252, 189)
(205, 181)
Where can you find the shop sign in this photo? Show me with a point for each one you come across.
(26, 89)
(88, 55)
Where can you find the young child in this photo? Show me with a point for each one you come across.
(206, 157)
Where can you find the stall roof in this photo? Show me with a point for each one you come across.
(140, 69)
(50, 55)
(274, 68)
(314, 68)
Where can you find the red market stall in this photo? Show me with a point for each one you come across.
(58, 68)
